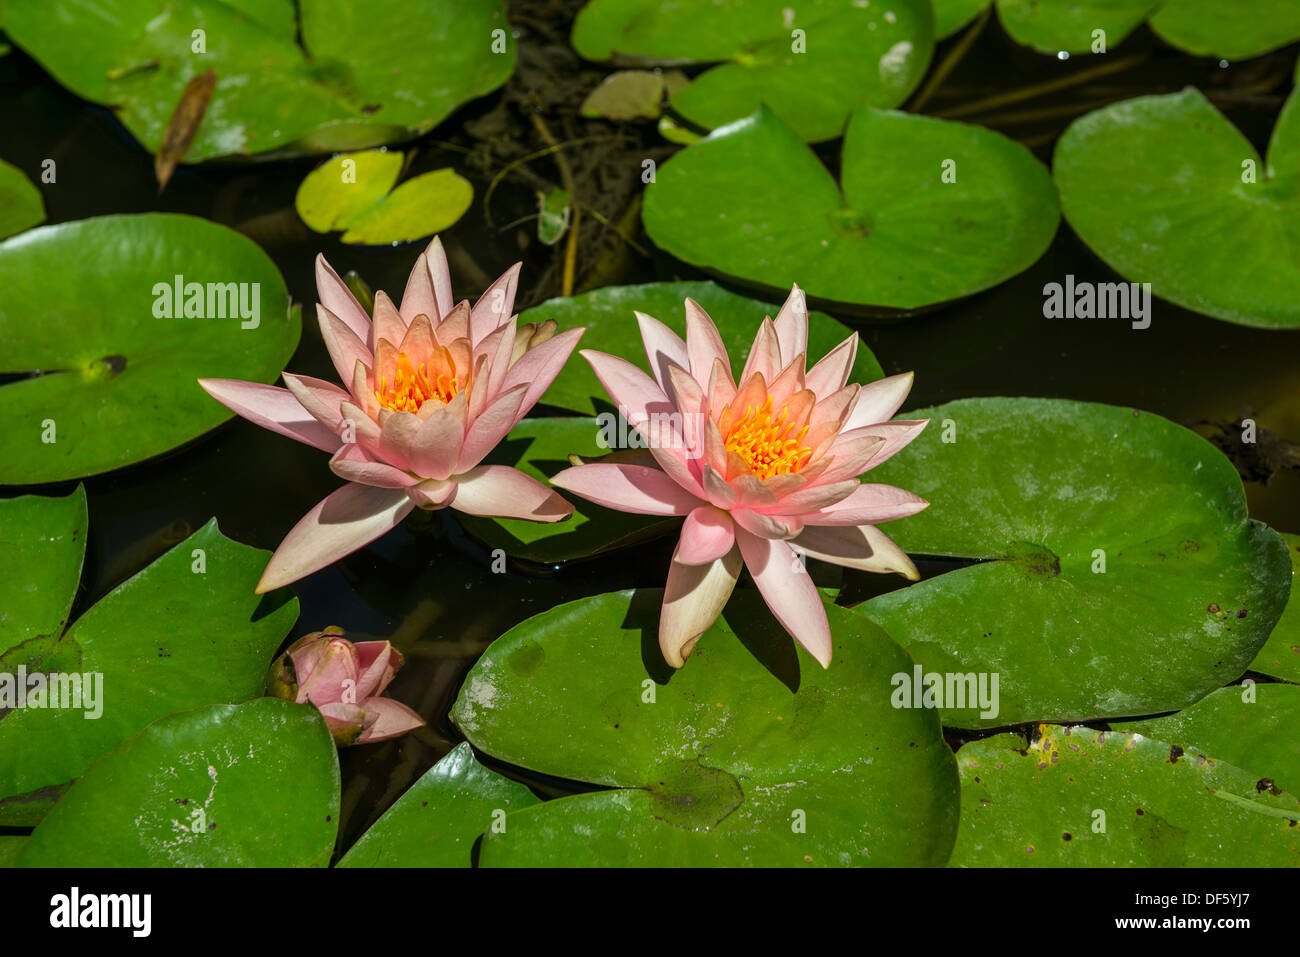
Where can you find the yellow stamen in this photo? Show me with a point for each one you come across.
(767, 444)
(412, 387)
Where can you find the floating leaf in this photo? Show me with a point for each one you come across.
(250, 785)
(608, 316)
(1117, 572)
(719, 764)
(1253, 727)
(1280, 656)
(185, 632)
(1236, 30)
(21, 206)
(812, 65)
(183, 126)
(365, 84)
(1167, 191)
(1084, 798)
(437, 821)
(1070, 26)
(951, 15)
(899, 235)
(351, 193)
(91, 310)
(627, 95)
(540, 448)
(553, 215)
(11, 847)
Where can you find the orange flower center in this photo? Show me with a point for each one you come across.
(768, 445)
(412, 387)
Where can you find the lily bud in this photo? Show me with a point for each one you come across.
(530, 335)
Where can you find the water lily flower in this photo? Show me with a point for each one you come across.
(758, 469)
(431, 387)
(344, 681)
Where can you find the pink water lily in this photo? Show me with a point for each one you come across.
(431, 387)
(344, 681)
(758, 470)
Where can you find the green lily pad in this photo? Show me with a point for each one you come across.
(90, 310)
(1159, 806)
(1068, 25)
(1280, 656)
(1155, 186)
(553, 215)
(951, 15)
(812, 65)
(250, 785)
(1236, 30)
(10, 848)
(436, 822)
(721, 763)
(365, 83)
(21, 206)
(1117, 575)
(185, 632)
(607, 315)
(1252, 726)
(897, 236)
(540, 448)
(351, 192)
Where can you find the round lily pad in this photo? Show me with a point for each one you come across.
(1168, 192)
(1083, 798)
(251, 785)
(752, 754)
(351, 192)
(812, 64)
(113, 319)
(21, 206)
(951, 15)
(440, 817)
(1116, 571)
(1236, 30)
(1280, 656)
(929, 210)
(364, 82)
(115, 669)
(1070, 26)
(608, 316)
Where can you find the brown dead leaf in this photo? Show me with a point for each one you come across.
(183, 125)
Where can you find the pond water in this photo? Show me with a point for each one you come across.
(427, 586)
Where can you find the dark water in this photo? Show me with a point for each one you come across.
(429, 588)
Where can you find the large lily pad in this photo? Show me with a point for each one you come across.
(1280, 656)
(21, 206)
(90, 310)
(720, 764)
(354, 192)
(338, 74)
(1117, 572)
(812, 64)
(1254, 727)
(251, 785)
(1160, 806)
(540, 448)
(753, 201)
(1237, 30)
(1068, 25)
(437, 821)
(185, 632)
(607, 315)
(1167, 191)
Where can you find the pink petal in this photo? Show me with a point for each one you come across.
(539, 366)
(386, 718)
(627, 488)
(635, 393)
(388, 323)
(707, 535)
(435, 448)
(272, 408)
(432, 493)
(792, 326)
(856, 546)
(499, 491)
(397, 434)
(878, 401)
(663, 347)
(439, 275)
(345, 347)
(813, 498)
(338, 299)
(355, 464)
(764, 355)
(763, 526)
(832, 373)
(789, 592)
(716, 488)
(490, 428)
(495, 306)
(703, 344)
(377, 662)
(854, 452)
(693, 598)
(352, 517)
(868, 505)
(320, 398)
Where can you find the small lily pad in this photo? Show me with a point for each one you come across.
(1115, 571)
(951, 15)
(812, 64)
(1236, 30)
(251, 785)
(21, 206)
(1083, 798)
(351, 192)
(750, 755)
(1071, 25)
(553, 215)
(929, 210)
(1167, 191)
(112, 320)
(439, 818)
(627, 95)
